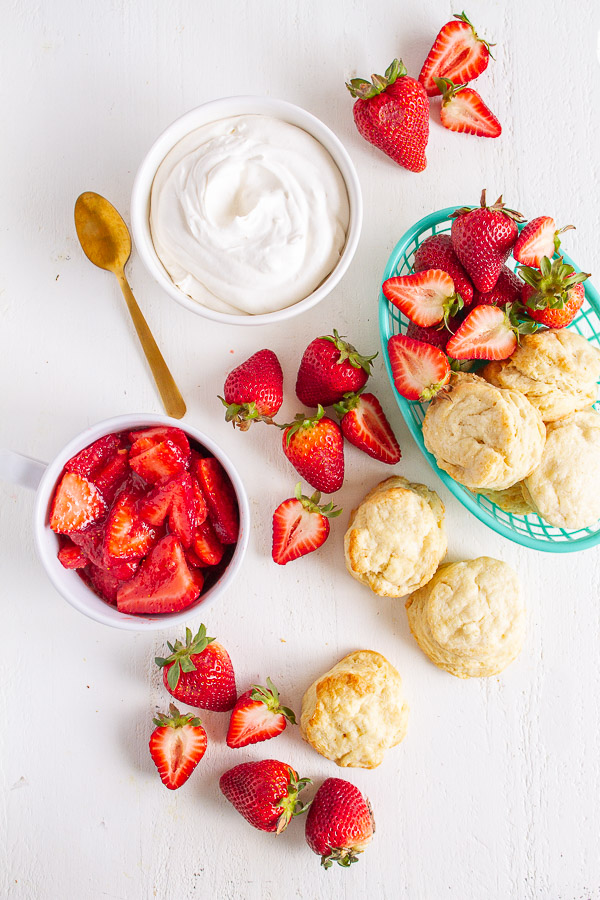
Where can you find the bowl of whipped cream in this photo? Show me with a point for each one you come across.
(247, 210)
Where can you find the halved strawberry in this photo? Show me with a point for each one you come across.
(300, 526)
(110, 476)
(364, 424)
(219, 496)
(419, 369)
(91, 459)
(159, 454)
(257, 716)
(71, 556)
(539, 238)
(206, 545)
(427, 298)
(127, 535)
(463, 110)
(486, 333)
(180, 500)
(177, 745)
(163, 582)
(76, 504)
(457, 53)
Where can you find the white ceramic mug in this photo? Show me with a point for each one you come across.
(43, 478)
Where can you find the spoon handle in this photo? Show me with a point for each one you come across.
(173, 402)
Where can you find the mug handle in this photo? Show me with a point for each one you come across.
(21, 469)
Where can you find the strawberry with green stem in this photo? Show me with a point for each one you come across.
(258, 716)
(365, 425)
(419, 369)
(464, 111)
(426, 298)
(315, 447)
(253, 391)
(339, 824)
(199, 672)
(177, 745)
(265, 793)
(329, 368)
(554, 293)
(458, 53)
(300, 526)
(489, 332)
(537, 239)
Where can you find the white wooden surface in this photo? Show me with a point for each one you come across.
(494, 793)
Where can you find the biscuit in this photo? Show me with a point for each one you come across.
(511, 500)
(355, 711)
(396, 538)
(485, 437)
(565, 487)
(556, 369)
(470, 618)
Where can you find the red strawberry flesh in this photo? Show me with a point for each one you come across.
(486, 333)
(423, 296)
(457, 53)
(365, 425)
(437, 252)
(419, 369)
(177, 745)
(76, 504)
(162, 584)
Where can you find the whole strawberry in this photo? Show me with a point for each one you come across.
(365, 425)
(329, 368)
(315, 448)
(483, 238)
(254, 390)
(553, 293)
(506, 290)
(199, 673)
(437, 252)
(265, 793)
(392, 113)
(339, 824)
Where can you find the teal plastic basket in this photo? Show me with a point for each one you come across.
(529, 531)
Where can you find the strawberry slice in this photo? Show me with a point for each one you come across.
(162, 584)
(300, 526)
(150, 437)
(90, 460)
(110, 477)
(91, 542)
(464, 111)
(486, 333)
(103, 583)
(457, 53)
(539, 238)
(71, 556)
(220, 498)
(76, 504)
(159, 454)
(182, 501)
(426, 297)
(364, 424)
(206, 545)
(419, 369)
(127, 536)
(257, 716)
(177, 745)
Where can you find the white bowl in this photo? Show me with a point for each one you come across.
(212, 112)
(74, 589)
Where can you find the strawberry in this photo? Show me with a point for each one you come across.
(437, 335)
(539, 238)
(127, 536)
(162, 584)
(457, 53)
(77, 502)
(482, 239)
(159, 454)
(71, 556)
(392, 113)
(315, 448)
(464, 111)
(109, 478)
(427, 298)
(506, 290)
(90, 460)
(199, 673)
(300, 526)
(329, 368)
(257, 716)
(339, 824)
(437, 252)
(486, 333)
(254, 391)
(265, 793)
(177, 745)
(92, 543)
(220, 498)
(178, 500)
(419, 369)
(206, 545)
(102, 582)
(364, 424)
(554, 293)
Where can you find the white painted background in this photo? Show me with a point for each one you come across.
(494, 793)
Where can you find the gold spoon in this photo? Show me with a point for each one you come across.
(106, 242)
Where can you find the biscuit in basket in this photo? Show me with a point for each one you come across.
(565, 487)
(396, 538)
(470, 618)
(512, 500)
(354, 712)
(556, 369)
(483, 436)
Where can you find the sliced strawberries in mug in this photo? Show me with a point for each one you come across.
(91, 459)
(206, 545)
(127, 535)
(159, 454)
(163, 582)
(220, 498)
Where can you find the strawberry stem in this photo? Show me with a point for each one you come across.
(364, 90)
(179, 660)
(349, 353)
(176, 719)
(270, 697)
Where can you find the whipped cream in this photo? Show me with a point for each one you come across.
(248, 214)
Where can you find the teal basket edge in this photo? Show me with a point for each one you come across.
(488, 513)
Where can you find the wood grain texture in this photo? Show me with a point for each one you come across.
(494, 793)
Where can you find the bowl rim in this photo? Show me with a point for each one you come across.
(93, 606)
(224, 107)
(459, 491)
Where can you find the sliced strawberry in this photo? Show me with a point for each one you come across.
(206, 545)
(486, 333)
(300, 526)
(159, 454)
(194, 561)
(110, 477)
(71, 556)
(464, 111)
(197, 577)
(539, 238)
(76, 504)
(93, 458)
(257, 716)
(426, 297)
(91, 542)
(127, 535)
(105, 584)
(219, 496)
(419, 369)
(457, 53)
(150, 437)
(162, 584)
(177, 745)
(364, 424)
